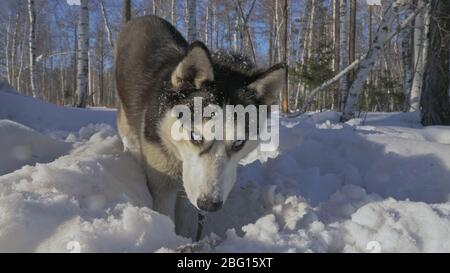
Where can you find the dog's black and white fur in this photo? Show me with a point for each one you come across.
(157, 69)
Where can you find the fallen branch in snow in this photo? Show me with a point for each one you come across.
(309, 100)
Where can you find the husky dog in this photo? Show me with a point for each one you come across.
(156, 70)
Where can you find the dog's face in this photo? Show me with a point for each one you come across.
(210, 159)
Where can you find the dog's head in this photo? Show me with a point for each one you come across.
(221, 81)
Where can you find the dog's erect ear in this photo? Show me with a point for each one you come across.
(195, 68)
(269, 84)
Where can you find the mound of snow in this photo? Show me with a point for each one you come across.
(21, 146)
(95, 195)
(44, 117)
(377, 183)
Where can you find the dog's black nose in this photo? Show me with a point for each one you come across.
(207, 204)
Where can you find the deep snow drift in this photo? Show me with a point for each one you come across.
(381, 183)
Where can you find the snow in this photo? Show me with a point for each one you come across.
(73, 2)
(379, 183)
(374, 2)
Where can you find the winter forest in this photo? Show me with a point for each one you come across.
(362, 162)
(386, 56)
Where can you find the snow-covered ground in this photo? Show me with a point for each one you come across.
(381, 183)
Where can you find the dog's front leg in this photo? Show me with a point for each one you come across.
(164, 202)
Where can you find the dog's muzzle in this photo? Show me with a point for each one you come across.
(209, 204)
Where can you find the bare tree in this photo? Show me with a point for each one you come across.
(207, 23)
(420, 49)
(343, 47)
(245, 18)
(336, 27)
(285, 91)
(435, 104)
(276, 30)
(336, 48)
(352, 35)
(173, 13)
(191, 20)
(406, 46)
(32, 49)
(126, 12)
(82, 55)
(106, 24)
(7, 50)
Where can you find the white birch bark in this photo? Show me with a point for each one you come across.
(336, 33)
(32, 49)
(311, 28)
(419, 66)
(207, 25)
(173, 12)
(276, 36)
(301, 87)
(191, 19)
(7, 50)
(307, 48)
(82, 54)
(14, 46)
(236, 32)
(214, 33)
(154, 7)
(106, 24)
(343, 48)
(21, 61)
(407, 59)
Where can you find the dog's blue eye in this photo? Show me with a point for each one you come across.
(196, 138)
(237, 145)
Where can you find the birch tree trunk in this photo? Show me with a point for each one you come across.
(14, 45)
(173, 12)
(276, 38)
(352, 36)
(336, 28)
(343, 48)
(419, 66)
(435, 104)
(270, 50)
(82, 55)
(21, 61)
(214, 34)
(307, 48)
(106, 24)
(7, 50)
(284, 96)
(406, 43)
(32, 49)
(300, 89)
(311, 30)
(154, 7)
(191, 20)
(382, 35)
(207, 25)
(236, 32)
(336, 49)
